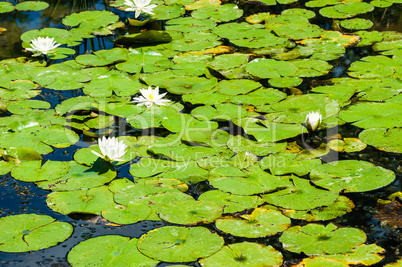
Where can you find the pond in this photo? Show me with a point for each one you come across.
(200, 133)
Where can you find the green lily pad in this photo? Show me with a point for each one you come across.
(231, 203)
(132, 213)
(189, 24)
(190, 212)
(244, 254)
(376, 67)
(351, 176)
(108, 250)
(31, 6)
(19, 89)
(340, 207)
(30, 232)
(270, 68)
(265, 131)
(301, 196)
(189, 85)
(91, 21)
(347, 145)
(179, 244)
(6, 7)
(331, 12)
(89, 201)
(320, 261)
(286, 163)
(145, 61)
(19, 154)
(260, 223)
(237, 87)
(193, 41)
(113, 81)
(223, 13)
(166, 12)
(5, 167)
(285, 82)
(317, 239)
(357, 24)
(255, 181)
(103, 57)
(354, 8)
(61, 36)
(8, 141)
(34, 171)
(379, 3)
(239, 143)
(362, 254)
(383, 139)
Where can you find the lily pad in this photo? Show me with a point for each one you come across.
(357, 24)
(190, 212)
(383, 139)
(6, 7)
(286, 163)
(347, 145)
(317, 239)
(89, 201)
(221, 13)
(301, 196)
(231, 203)
(30, 232)
(351, 176)
(103, 57)
(31, 6)
(340, 207)
(270, 68)
(132, 213)
(244, 254)
(362, 254)
(260, 223)
(108, 250)
(179, 244)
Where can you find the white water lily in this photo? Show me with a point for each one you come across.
(42, 45)
(139, 6)
(313, 121)
(150, 96)
(111, 149)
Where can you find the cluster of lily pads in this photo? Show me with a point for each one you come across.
(231, 117)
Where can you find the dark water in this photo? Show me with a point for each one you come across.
(20, 197)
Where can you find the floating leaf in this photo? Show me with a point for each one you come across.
(103, 57)
(30, 232)
(245, 253)
(221, 13)
(270, 68)
(301, 196)
(108, 250)
(356, 24)
(286, 163)
(231, 203)
(6, 7)
(19, 154)
(31, 6)
(383, 139)
(190, 212)
(317, 239)
(351, 176)
(261, 223)
(347, 145)
(89, 201)
(132, 213)
(340, 207)
(179, 244)
(362, 254)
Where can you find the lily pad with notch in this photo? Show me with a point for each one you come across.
(31, 232)
(179, 244)
(260, 223)
(108, 250)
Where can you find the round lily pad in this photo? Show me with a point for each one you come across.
(108, 250)
(6, 7)
(357, 24)
(179, 244)
(270, 68)
(32, 6)
(363, 254)
(231, 203)
(340, 207)
(132, 213)
(351, 176)
(317, 239)
(190, 212)
(244, 254)
(29, 232)
(260, 223)
(383, 139)
(285, 82)
(301, 196)
(347, 145)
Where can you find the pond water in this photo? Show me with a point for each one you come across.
(228, 171)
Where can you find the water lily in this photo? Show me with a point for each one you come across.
(43, 46)
(111, 149)
(139, 6)
(313, 121)
(150, 96)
